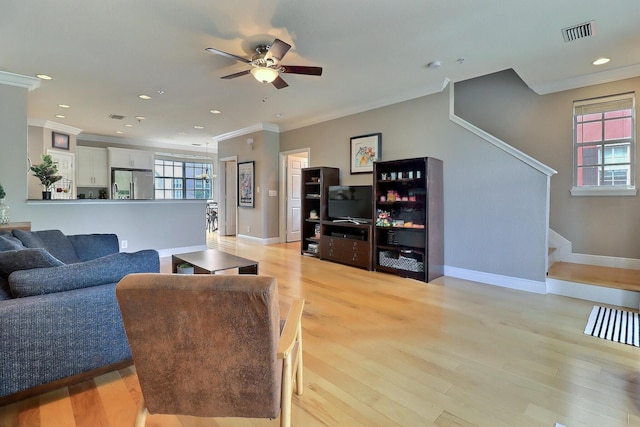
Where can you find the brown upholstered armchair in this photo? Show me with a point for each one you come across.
(212, 345)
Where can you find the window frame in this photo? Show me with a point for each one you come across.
(605, 190)
(183, 186)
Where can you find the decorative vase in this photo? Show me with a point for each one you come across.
(46, 195)
(4, 212)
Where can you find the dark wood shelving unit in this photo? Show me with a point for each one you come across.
(315, 184)
(347, 243)
(410, 242)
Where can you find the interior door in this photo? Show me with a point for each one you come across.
(231, 198)
(294, 192)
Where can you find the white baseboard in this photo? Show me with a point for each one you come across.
(617, 297)
(497, 280)
(604, 261)
(268, 241)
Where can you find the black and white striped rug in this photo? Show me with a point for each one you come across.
(614, 325)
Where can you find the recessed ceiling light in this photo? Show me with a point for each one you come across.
(197, 145)
(64, 106)
(119, 132)
(198, 127)
(160, 92)
(215, 111)
(128, 125)
(601, 61)
(277, 115)
(61, 116)
(143, 96)
(44, 77)
(434, 64)
(138, 118)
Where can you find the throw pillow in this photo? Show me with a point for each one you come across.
(54, 241)
(9, 242)
(26, 259)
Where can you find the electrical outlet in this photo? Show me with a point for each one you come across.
(248, 229)
(124, 244)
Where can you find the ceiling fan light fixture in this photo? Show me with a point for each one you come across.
(264, 74)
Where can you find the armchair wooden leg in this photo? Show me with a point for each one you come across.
(299, 367)
(287, 389)
(141, 416)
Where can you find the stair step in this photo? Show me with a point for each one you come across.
(609, 277)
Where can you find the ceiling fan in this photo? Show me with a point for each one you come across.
(265, 64)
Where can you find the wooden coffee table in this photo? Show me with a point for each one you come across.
(212, 260)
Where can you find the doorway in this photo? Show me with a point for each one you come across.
(291, 163)
(227, 206)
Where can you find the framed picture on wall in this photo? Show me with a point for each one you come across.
(60, 141)
(246, 184)
(365, 149)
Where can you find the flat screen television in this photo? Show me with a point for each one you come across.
(352, 203)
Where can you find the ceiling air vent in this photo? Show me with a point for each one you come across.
(579, 31)
(116, 117)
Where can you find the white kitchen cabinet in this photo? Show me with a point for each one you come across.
(130, 159)
(91, 170)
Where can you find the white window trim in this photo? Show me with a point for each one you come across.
(593, 190)
(604, 191)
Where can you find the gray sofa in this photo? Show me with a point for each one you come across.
(58, 312)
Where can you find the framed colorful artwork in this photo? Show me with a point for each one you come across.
(365, 149)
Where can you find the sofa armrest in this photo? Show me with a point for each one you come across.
(108, 269)
(50, 337)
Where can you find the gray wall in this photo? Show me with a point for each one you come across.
(541, 126)
(261, 221)
(495, 205)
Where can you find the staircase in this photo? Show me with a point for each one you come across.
(607, 285)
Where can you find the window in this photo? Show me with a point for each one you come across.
(177, 179)
(604, 146)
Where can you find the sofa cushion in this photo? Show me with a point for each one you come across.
(5, 292)
(108, 269)
(53, 241)
(92, 246)
(26, 259)
(8, 242)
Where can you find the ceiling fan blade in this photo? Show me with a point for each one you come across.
(228, 55)
(297, 69)
(279, 83)
(277, 50)
(234, 75)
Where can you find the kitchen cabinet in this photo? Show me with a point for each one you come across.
(130, 159)
(91, 170)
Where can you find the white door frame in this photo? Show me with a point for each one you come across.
(282, 208)
(222, 192)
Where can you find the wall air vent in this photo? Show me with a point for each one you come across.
(116, 117)
(579, 31)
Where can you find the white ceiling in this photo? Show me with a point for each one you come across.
(103, 53)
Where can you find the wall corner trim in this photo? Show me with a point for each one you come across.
(537, 165)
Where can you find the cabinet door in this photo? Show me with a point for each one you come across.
(141, 159)
(84, 170)
(100, 172)
(119, 158)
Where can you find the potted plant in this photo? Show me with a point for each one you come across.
(46, 172)
(4, 208)
(184, 268)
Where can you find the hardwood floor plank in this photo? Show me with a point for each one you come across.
(383, 351)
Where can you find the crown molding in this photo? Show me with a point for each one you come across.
(270, 127)
(606, 76)
(18, 80)
(58, 127)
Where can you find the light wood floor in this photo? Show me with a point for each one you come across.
(389, 352)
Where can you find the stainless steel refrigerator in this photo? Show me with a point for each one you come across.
(131, 184)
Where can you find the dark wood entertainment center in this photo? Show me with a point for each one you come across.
(411, 245)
